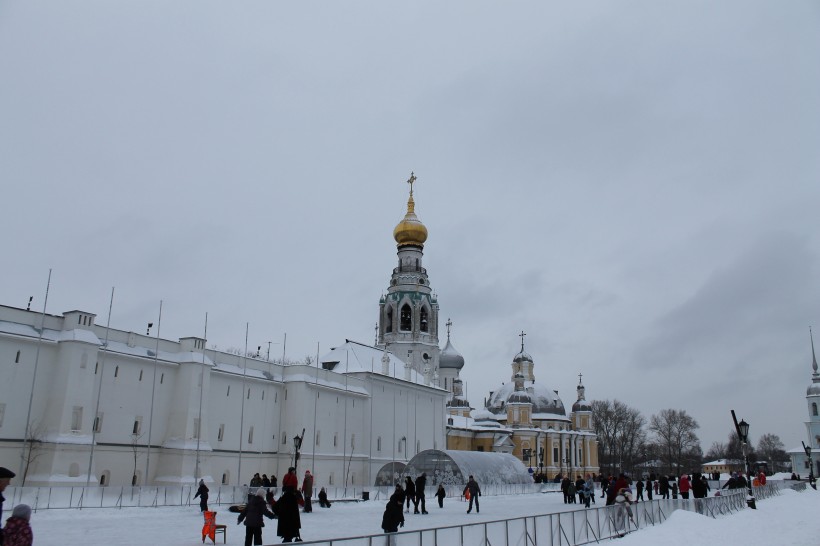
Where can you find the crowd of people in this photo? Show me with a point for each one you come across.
(262, 503)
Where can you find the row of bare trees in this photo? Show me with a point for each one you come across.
(667, 443)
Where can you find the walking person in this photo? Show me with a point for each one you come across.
(252, 516)
(202, 493)
(410, 494)
(287, 510)
(591, 485)
(307, 491)
(623, 510)
(440, 494)
(685, 486)
(663, 487)
(421, 483)
(649, 488)
(580, 483)
(639, 490)
(393, 518)
(475, 492)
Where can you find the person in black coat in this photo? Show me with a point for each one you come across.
(410, 492)
(421, 483)
(202, 493)
(475, 492)
(287, 509)
(323, 502)
(440, 494)
(579, 488)
(393, 518)
(252, 516)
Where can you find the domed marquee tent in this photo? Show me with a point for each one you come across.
(453, 467)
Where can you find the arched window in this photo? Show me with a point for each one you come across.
(388, 327)
(814, 408)
(406, 318)
(423, 317)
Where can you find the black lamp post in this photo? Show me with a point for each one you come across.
(297, 445)
(742, 429)
(807, 449)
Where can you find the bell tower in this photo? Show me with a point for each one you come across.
(408, 313)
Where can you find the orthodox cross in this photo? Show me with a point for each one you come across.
(411, 180)
(448, 324)
(377, 334)
(521, 335)
(579, 379)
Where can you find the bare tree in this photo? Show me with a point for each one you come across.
(772, 450)
(621, 434)
(33, 448)
(717, 451)
(309, 360)
(674, 432)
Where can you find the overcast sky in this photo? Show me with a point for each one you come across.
(634, 184)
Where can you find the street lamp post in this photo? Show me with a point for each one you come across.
(297, 445)
(807, 449)
(742, 429)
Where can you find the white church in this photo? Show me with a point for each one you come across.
(799, 458)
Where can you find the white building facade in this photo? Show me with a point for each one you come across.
(109, 406)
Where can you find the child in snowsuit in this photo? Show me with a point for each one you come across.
(440, 494)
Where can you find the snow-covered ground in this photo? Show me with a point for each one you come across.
(788, 519)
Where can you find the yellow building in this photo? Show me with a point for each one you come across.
(527, 419)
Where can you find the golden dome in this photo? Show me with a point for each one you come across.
(410, 231)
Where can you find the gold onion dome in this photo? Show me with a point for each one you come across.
(410, 231)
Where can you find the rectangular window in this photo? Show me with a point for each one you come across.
(335, 440)
(284, 438)
(379, 443)
(221, 433)
(140, 375)
(317, 438)
(250, 435)
(137, 428)
(196, 428)
(2, 413)
(330, 479)
(77, 419)
(17, 358)
(554, 455)
(98, 423)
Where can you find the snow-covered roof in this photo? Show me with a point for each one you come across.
(353, 357)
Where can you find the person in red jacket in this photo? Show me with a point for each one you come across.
(290, 481)
(684, 486)
(762, 478)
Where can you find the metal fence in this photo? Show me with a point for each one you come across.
(42, 498)
(570, 528)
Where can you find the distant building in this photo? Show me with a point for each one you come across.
(799, 460)
(724, 466)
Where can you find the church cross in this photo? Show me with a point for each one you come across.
(411, 181)
(579, 378)
(448, 324)
(521, 335)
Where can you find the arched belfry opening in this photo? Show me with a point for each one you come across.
(406, 318)
(388, 325)
(424, 320)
